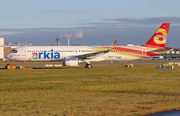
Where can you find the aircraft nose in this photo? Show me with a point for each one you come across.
(7, 56)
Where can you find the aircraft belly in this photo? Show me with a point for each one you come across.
(118, 57)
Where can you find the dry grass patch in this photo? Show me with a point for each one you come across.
(102, 90)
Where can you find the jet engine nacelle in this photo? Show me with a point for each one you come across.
(71, 61)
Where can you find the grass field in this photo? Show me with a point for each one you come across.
(102, 90)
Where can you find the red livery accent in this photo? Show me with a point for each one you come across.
(159, 38)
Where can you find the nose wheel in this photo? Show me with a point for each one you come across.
(88, 66)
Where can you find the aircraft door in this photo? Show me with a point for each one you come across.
(76, 51)
(24, 51)
(143, 51)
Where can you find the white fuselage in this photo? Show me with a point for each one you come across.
(58, 53)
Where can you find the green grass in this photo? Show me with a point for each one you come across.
(102, 90)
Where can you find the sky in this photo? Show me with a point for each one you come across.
(101, 21)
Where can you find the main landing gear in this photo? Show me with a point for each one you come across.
(88, 66)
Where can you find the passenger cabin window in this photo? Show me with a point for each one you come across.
(14, 51)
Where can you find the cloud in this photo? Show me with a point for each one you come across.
(129, 31)
(5, 31)
(152, 20)
(61, 11)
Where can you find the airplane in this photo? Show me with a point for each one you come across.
(75, 55)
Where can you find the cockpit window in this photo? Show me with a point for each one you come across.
(14, 51)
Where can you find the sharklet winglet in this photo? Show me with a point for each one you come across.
(112, 46)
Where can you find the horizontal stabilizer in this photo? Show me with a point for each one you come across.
(161, 50)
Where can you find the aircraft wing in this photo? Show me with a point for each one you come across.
(92, 55)
(95, 54)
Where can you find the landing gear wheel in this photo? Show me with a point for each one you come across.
(88, 66)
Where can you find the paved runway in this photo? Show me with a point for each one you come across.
(97, 63)
(168, 113)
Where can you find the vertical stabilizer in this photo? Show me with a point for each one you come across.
(160, 37)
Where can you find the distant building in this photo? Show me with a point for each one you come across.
(177, 52)
(7, 50)
(172, 52)
(1, 48)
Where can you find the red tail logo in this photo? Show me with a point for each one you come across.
(159, 38)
